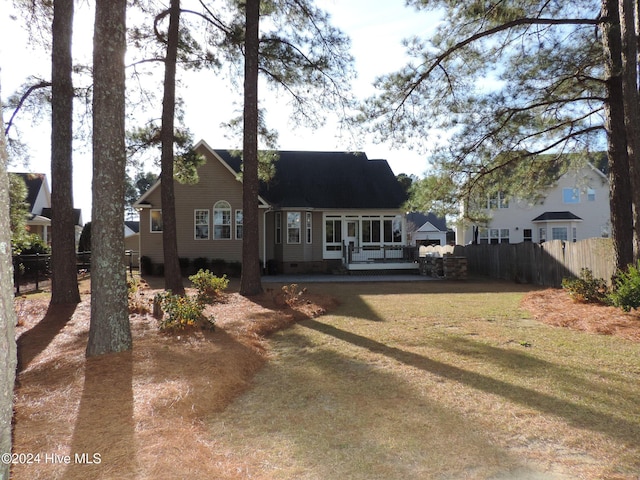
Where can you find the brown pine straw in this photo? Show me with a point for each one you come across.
(145, 412)
(140, 414)
(555, 307)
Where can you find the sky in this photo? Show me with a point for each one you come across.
(376, 29)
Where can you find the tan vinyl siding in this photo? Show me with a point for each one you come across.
(216, 183)
(269, 235)
(150, 242)
(316, 246)
(304, 251)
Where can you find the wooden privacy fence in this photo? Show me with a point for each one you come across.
(540, 264)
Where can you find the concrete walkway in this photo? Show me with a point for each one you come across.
(325, 278)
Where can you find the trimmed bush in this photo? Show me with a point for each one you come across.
(208, 285)
(181, 312)
(586, 288)
(626, 293)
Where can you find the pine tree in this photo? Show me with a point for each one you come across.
(64, 284)
(516, 85)
(172, 275)
(109, 329)
(250, 283)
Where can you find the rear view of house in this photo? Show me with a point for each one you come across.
(318, 210)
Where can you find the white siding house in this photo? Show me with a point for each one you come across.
(426, 229)
(575, 208)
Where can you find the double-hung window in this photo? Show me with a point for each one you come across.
(278, 227)
(293, 227)
(239, 225)
(309, 226)
(201, 221)
(222, 220)
(497, 200)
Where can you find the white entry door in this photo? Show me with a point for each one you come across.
(352, 237)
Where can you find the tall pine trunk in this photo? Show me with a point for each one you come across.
(631, 108)
(109, 330)
(8, 351)
(619, 181)
(64, 284)
(172, 275)
(250, 282)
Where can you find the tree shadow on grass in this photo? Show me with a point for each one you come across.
(105, 421)
(572, 381)
(34, 341)
(577, 415)
(318, 412)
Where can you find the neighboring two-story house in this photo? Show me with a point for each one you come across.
(576, 207)
(316, 208)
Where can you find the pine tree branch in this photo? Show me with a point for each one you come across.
(487, 33)
(23, 98)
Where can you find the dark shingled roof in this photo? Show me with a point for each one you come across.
(419, 219)
(133, 225)
(77, 212)
(546, 216)
(33, 182)
(345, 180)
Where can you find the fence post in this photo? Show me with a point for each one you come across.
(129, 253)
(37, 271)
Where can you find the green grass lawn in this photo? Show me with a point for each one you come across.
(437, 380)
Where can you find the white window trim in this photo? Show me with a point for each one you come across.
(332, 246)
(218, 206)
(309, 227)
(299, 228)
(371, 219)
(196, 224)
(486, 235)
(499, 201)
(278, 228)
(151, 229)
(239, 224)
(558, 230)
